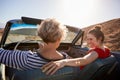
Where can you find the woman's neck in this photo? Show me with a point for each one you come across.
(49, 52)
(98, 46)
(47, 48)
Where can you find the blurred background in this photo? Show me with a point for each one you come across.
(79, 13)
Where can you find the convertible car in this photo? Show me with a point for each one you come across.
(20, 34)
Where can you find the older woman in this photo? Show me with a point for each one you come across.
(51, 32)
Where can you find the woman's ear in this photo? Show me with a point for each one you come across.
(59, 40)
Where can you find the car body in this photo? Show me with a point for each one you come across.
(21, 34)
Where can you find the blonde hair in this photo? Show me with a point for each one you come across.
(50, 30)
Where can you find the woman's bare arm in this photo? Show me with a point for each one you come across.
(52, 67)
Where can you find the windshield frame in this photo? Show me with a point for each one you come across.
(25, 20)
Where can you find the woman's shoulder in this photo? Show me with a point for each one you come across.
(100, 49)
(102, 53)
(106, 48)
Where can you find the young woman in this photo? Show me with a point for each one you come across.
(51, 32)
(95, 39)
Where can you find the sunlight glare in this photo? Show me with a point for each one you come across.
(79, 9)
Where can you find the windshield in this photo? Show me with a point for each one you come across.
(19, 32)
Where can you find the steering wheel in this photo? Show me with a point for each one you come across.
(23, 41)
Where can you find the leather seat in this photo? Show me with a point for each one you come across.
(98, 69)
(93, 71)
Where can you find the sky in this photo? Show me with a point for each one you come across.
(79, 13)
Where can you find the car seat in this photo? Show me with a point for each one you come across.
(98, 69)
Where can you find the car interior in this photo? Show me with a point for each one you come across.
(101, 69)
(98, 69)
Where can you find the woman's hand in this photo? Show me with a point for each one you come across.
(51, 67)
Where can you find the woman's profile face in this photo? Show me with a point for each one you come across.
(92, 42)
